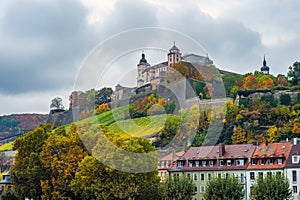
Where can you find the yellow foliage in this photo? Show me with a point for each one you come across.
(101, 109)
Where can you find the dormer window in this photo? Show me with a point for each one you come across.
(253, 161)
(190, 164)
(162, 164)
(239, 162)
(204, 163)
(295, 159)
(228, 162)
(167, 163)
(197, 163)
(279, 161)
(211, 163)
(262, 161)
(180, 164)
(221, 162)
(271, 161)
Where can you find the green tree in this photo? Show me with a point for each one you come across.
(271, 187)
(229, 81)
(294, 73)
(27, 172)
(224, 188)
(9, 195)
(179, 188)
(56, 103)
(103, 96)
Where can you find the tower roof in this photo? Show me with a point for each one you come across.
(174, 48)
(265, 67)
(143, 59)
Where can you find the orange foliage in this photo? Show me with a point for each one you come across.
(250, 83)
(102, 108)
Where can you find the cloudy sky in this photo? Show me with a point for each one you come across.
(43, 44)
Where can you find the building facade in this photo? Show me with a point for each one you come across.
(247, 162)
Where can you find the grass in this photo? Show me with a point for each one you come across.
(6, 147)
(106, 118)
(139, 127)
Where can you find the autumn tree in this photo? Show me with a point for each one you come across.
(272, 186)
(250, 82)
(56, 103)
(101, 108)
(273, 134)
(267, 83)
(224, 188)
(60, 156)
(28, 171)
(239, 136)
(294, 73)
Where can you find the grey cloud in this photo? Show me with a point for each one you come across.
(58, 29)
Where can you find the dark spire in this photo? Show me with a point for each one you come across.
(143, 59)
(264, 62)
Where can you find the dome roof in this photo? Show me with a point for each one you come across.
(265, 67)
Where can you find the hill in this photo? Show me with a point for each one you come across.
(17, 124)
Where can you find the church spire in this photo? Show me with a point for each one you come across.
(264, 62)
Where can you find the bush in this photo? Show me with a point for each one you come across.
(270, 99)
(285, 99)
(297, 106)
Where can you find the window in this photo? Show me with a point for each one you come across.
(202, 188)
(228, 162)
(204, 163)
(167, 163)
(279, 161)
(221, 162)
(269, 173)
(190, 164)
(211, 163)
(162, 164)
(262, 161)
(209, 176)
(179, 163)
(195, 177)
(295, 189)
(197, 163)
(189, 175)
(242, 178)
(295, 159)
(239, 162)
(260, 174)
(271, 161)
(294, 174)
(202, 177)
(278, 173)
(253, 161)
(195, 189)
(252, 175)
(219, 175)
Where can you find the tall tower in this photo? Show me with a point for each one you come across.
(141, 74)
(265, 69)
(174, 56)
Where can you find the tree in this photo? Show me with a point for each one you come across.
(226, 188)
(271, 187)
(273, 134)
(267, 83)
(250, 83)
(294, 73)
(27, 172)
(103, 96)
(229, 81)
(178, 188)
(56, 103)
(9, 195)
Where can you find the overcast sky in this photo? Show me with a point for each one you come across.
(44, 43)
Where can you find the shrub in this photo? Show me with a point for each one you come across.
(270, 99)
(297, 106)
(285, 99)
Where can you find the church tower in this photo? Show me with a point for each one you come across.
(265, 69)
(141, 74)
(174, 56)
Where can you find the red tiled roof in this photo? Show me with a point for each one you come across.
(272, 150)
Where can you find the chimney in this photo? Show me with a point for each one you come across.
(221, 149)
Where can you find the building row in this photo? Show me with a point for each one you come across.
(244, 161)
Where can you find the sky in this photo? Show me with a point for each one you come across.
(45, 44)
